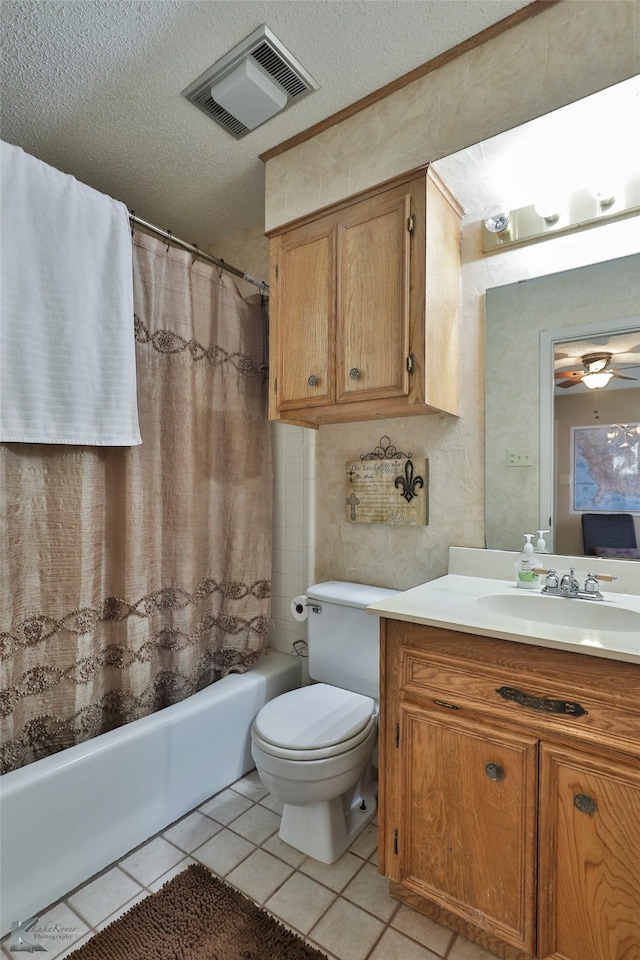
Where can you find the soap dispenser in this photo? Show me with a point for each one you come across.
(541, 546)
(525, 564)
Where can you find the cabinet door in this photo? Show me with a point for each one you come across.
(306, 316)
(373, 298)
(467, 831)
(589, 858)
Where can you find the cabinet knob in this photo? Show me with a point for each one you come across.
(494, 771)
(312, 380)
(585, 804)
(354, 373)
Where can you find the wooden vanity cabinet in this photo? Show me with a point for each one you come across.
(589, 863)
(364, 306)
(510, 792)
(469, 832)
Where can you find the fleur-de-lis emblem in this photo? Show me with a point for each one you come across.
(409, 484)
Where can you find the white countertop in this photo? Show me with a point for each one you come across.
(453, 602)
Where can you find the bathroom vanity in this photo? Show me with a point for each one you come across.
(510, 772)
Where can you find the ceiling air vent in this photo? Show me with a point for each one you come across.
(252, 83)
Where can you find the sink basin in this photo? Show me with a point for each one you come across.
(581, 614)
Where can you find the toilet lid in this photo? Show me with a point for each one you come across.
(314, 717)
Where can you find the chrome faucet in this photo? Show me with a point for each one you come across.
(568, 585)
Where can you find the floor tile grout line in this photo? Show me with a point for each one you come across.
(349, 902)
(257, 846)
(336, 895)
(387, 924)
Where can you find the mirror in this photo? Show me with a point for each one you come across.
(530, 452)
(592, 141)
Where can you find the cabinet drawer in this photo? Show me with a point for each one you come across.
(559, 705)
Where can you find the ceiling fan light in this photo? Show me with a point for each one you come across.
(597, 380)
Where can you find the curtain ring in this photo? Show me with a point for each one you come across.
(132, 215)
(221, 268)
(168, 240)
(195, 256)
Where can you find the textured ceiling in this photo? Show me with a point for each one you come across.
(93, 88)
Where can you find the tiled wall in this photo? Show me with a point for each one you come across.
(293, 530)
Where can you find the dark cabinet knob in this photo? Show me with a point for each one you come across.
(585, 804)
(312, 380)
(354, 373)
(494, 771)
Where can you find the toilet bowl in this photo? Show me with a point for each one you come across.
(312, 748)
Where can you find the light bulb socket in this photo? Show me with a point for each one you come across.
(604, 193)
(548, 211)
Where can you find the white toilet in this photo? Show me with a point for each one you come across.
(312, 747)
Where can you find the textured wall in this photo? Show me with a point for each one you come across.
(566, 53)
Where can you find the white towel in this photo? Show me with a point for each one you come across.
(67, 345)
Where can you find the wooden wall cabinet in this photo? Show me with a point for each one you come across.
(510, 792)
(363, 309)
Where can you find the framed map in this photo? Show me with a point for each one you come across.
(605, 468)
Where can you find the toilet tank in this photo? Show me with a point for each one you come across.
(344, 645)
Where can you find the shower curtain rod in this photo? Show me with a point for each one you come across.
(191, 247)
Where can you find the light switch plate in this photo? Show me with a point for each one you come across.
(519, 458)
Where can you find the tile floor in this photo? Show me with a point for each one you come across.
(344, 908)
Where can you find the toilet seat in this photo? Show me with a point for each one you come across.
(314, 722)
(319, 753)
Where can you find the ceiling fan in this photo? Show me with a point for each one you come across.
(595, 372)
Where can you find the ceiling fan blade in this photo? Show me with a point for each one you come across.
(569, 383)
(620, 376)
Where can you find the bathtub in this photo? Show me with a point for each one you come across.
(66, 817)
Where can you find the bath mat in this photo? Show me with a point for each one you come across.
(196, 916)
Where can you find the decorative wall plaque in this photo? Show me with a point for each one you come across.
(387, 486)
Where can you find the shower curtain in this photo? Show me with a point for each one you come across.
(133, 577)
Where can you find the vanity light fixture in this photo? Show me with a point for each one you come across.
(550, 217)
